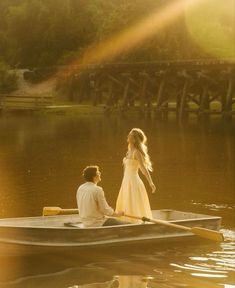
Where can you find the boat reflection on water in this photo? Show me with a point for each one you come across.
(121, 281)
(201, 265)
(161, 281)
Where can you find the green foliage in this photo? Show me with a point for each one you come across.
(39, 33)
(8, 79)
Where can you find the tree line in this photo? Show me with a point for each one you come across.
(39, 33)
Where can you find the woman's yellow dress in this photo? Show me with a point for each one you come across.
(133, 198)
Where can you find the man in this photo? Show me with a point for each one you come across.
(92, 205)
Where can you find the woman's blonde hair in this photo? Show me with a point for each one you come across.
(139, 143)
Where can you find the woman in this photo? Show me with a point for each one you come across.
(132, 197)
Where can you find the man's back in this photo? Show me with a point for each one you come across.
(92, 204)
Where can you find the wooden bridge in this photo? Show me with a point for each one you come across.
(202, 87)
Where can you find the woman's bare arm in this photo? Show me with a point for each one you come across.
(144, 170)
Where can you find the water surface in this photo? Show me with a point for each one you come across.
(41, 159)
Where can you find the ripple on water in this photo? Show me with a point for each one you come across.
(213, 264)
(229, 235)
(207, 275)
(215, 207)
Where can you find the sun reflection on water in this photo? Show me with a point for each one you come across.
(214, 264)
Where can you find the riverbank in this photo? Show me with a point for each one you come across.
(88, 109)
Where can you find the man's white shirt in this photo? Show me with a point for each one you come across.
(92, 205)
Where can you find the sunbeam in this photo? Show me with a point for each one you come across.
(122, 42)
(126, 40)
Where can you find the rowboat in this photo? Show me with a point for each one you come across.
(54, 232)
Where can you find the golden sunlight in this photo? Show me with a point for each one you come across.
(122, 42)
(212, 26)
(134, 35)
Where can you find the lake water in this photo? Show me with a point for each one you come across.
(41, 160)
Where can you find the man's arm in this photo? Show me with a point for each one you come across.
(103, 205)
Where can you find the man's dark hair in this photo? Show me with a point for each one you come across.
(90, 172)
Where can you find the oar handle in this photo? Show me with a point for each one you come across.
(166, 223)
(69, 211)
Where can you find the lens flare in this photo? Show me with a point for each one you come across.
(212, 26)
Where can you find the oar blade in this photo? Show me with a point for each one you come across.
(207, 233)
(51, 211)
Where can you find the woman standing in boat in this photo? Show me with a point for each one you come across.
(133, 197)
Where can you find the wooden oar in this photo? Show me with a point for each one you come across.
(50, 211)
(199, 231)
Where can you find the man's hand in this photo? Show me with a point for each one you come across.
(118, 213)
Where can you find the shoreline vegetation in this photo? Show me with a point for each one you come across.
(68, 108)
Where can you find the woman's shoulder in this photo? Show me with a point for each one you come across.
(138, 155)
(130, 154)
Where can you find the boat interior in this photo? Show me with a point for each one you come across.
(61, 220)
